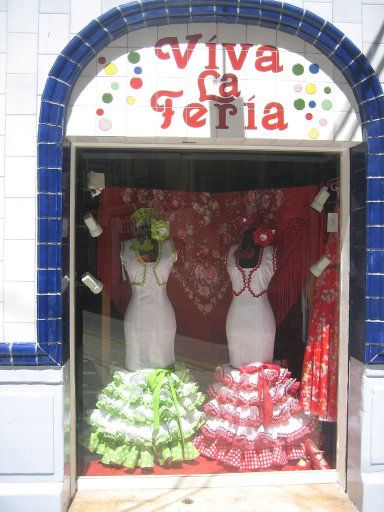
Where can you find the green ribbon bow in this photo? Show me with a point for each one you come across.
(155, 381)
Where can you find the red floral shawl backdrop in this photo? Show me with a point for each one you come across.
(203, 227)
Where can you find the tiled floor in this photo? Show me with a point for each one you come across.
(289, 498)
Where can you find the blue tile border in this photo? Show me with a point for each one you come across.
(133, 16)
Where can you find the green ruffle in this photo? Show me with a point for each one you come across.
(131, 456)
(121, 399)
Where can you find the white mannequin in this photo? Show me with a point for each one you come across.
(250, 324)
(149, 321)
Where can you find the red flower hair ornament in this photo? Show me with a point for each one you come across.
(263, 237)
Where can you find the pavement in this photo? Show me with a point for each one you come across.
(273, 498)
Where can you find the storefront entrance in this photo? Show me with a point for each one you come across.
(209, 202)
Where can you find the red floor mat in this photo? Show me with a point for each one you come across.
(199, 466)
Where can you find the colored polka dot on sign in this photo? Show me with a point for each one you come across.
(298, 88)
(327, 90)
(131, 100)
(136, 83)
(326, 105)
(310, 88)
(133, 57)
(107, 97)
(100, 112)
(297, 69)
(101, 60)
(115, 85)
(299, 104)
(313, 133)
(323, 122)
(314, 68)
(308, 117)
(138, 70)
(110, 69)
(105, 124)
(312, 104)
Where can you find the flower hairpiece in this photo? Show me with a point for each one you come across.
(263, 237)
(160, 230)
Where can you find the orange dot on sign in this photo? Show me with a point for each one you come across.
(99, 111)
(308, 117)
(136, 83)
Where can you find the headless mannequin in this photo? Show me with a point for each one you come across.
(249, 252)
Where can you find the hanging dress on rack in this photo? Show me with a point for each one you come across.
(149, 412)
(253, 417)
(318, 393)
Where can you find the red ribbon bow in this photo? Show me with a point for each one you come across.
(266, 405)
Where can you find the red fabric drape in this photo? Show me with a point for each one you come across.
(203, 227)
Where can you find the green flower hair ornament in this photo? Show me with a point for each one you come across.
(160, 230)
(146, 245)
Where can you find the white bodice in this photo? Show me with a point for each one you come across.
(250, 324)
(148, 274)
(149, 321)
(258, 279)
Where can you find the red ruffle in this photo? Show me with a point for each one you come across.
(235, 418)
(249, 459)
(263, 439)
(274, 379)
(228, 396)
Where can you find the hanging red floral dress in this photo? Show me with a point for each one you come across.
(318, 393)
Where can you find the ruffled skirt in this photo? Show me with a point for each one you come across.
(254, 419)
(146, 417)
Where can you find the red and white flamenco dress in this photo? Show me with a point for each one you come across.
(254, 419)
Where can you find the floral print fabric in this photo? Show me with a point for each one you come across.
(203, 227)
(319, 379)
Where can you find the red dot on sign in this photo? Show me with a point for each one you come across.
(136, 83)
(308, 116)
(101, 60)
(99, 111)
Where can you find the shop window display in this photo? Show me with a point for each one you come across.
(211, 347)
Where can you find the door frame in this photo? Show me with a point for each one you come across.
(337, 475)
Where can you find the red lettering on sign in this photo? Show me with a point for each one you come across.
(180, 59)
(237, 62)
(212, 64)
(267, 59)
(274, 120)
(229, 87)
(165, 108)
(250, 114)
(194, 115)
(231, 83)
(222, 109)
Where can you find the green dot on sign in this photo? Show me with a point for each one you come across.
(133, 57)
(326, 104)
(115, 86)
(297, 69)
(107, 97)
(299, 104)
(327, 90)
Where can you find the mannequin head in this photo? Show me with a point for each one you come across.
(149, 230)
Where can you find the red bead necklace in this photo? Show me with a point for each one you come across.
(247, 280)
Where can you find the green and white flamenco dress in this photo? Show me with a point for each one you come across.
(147, 417)
(149, 413)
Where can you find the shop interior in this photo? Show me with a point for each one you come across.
(217, 219)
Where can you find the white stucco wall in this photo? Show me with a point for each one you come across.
(32, 33)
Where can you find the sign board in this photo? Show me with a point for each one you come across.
(195, 82)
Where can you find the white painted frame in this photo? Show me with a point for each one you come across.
(337, 475)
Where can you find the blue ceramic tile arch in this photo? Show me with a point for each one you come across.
(146, 13)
